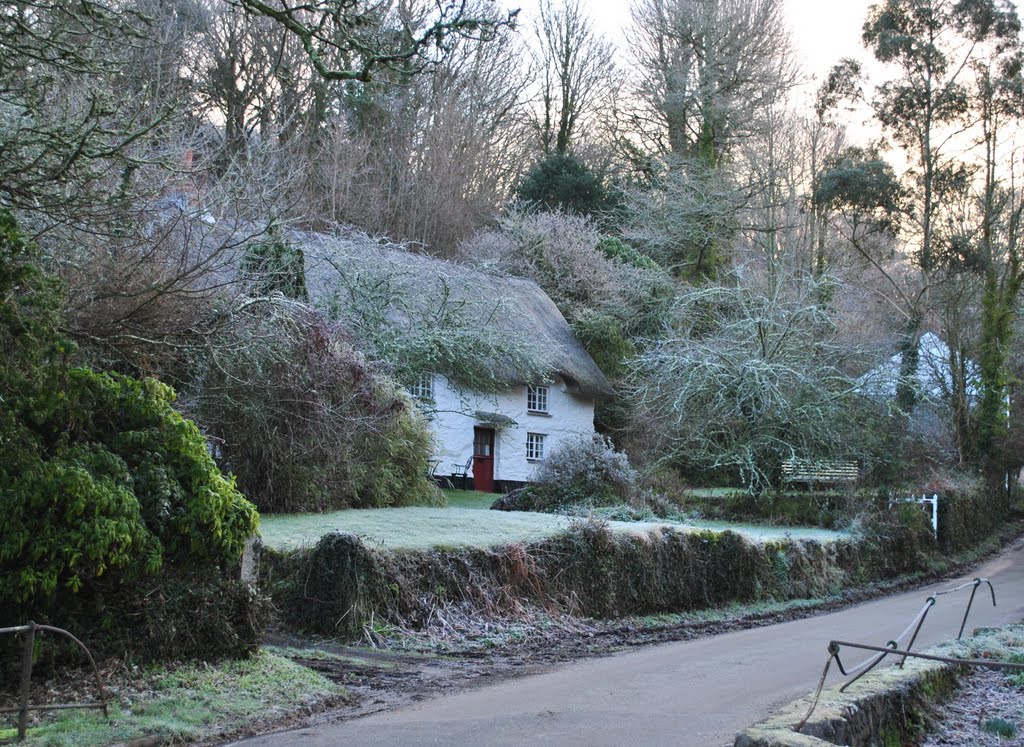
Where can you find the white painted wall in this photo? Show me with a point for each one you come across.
(452, 420)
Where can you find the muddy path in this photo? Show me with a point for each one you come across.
(387, 677)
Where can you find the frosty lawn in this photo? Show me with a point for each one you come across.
(190, 703)
(420, 528)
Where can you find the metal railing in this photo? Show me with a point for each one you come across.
(893, 647)
(23, 707)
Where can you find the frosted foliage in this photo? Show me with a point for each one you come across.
(587, 465)
(12, 118)
(561, 254)
(688, 220)
(304, 421)
(750, 376)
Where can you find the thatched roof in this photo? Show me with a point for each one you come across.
(515, 312)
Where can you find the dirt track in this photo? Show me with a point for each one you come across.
(698, 692)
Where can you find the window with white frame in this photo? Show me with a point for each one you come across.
(537, 399)
(535, 443)
(424, 387)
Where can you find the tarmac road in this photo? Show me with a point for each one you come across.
(697, 692)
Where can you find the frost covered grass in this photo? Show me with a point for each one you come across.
(759, 532)
(456, 498)
(419, 528)
(193, 702)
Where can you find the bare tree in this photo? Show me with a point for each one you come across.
(707, 67)
(234, 70)
(63, 125)
(576, 69)
(687, 220)
(428, 160)
(775, 169)
(713, 76)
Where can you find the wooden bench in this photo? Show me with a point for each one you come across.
(814, 471)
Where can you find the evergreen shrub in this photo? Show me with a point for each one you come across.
(563, 182)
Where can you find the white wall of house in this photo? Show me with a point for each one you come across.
(453, 418)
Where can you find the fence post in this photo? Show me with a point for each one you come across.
(26, 679)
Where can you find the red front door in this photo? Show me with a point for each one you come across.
(483, 459)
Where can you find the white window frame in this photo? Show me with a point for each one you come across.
(537, 398)
(423, 389)
(536, 445)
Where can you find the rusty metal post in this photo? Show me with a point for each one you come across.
(92, 663)
(929, 604)
(26, 679)
(974, 590)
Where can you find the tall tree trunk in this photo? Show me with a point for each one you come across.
(910, 355)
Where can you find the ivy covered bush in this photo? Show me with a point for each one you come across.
(106, 475)
(306, 422)
(107, 491)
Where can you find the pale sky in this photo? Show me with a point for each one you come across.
(823, 30)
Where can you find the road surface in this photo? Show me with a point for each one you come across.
(697, 692)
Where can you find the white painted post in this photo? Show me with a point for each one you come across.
(933, 501)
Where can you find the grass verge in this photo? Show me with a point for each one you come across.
(192, 702)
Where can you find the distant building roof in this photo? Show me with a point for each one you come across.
(933, 376)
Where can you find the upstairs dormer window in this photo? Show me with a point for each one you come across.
(423, 389)
(537, 399)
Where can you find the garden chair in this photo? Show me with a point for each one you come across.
(462, 471)
(439, 480)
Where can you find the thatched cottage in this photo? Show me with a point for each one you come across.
(491, 361)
